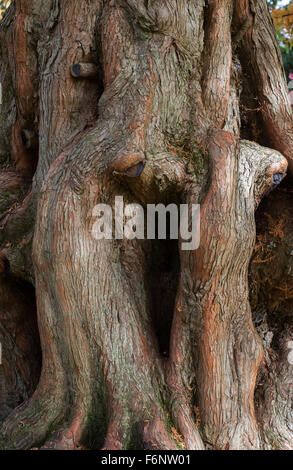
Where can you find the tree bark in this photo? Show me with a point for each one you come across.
(150, 101)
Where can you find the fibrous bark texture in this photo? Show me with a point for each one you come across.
(143, 345)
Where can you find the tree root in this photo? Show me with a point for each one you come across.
(29, 424)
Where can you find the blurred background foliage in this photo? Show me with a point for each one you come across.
(282, 14)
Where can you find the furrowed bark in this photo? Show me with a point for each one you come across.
(151, 114)
(221, 305)
(20, 367)
(271, 299)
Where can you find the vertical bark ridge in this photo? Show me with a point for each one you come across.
(221, 318)
(261, 57)
(23, 65)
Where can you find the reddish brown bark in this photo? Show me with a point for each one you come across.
(168, 96)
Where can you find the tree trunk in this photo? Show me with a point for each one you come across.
(144, 345)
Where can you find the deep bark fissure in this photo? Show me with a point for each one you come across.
(143, 344)
(271, 300)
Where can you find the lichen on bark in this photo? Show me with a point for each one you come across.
(115, 374)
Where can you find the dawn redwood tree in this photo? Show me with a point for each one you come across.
(143, 345)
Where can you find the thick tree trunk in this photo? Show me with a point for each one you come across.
(94, 93)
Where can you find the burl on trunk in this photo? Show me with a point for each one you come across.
(91, 91)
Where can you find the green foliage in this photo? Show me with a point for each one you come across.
(3, 5)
